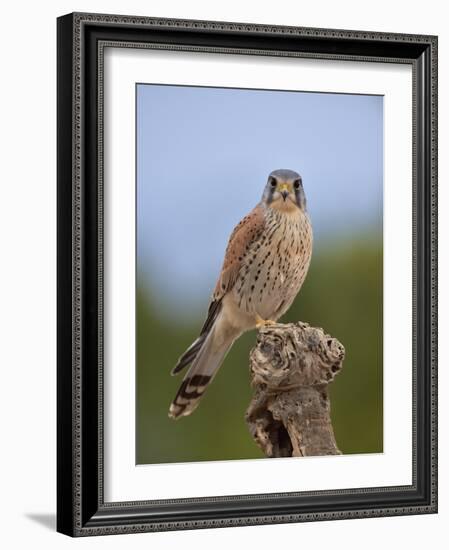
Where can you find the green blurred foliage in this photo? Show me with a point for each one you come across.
(342, 294)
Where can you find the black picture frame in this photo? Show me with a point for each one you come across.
(81, 509)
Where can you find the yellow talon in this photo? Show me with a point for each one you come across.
(260, 323)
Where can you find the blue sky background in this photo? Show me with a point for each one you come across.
(203, 157)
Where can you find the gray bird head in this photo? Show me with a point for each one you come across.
(284, 191)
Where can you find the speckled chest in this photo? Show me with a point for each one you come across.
(275, 266)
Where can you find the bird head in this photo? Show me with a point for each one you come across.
(284, 191)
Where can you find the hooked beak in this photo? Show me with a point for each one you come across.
(284, 190)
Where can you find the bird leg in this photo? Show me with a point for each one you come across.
(260, 323)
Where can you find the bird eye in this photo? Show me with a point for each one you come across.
(273, 183)
(296, 184)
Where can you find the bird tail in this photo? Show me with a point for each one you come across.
(192, 351)
(206, 356)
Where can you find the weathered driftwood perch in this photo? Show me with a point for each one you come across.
(291, 368)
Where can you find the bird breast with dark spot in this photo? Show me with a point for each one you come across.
(275, 265)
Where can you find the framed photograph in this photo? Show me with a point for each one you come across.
(247, 282)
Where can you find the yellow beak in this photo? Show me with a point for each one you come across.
(285, 187)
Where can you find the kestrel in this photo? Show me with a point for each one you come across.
(265, 264)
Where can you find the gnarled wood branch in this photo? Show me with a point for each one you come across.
(291, 368)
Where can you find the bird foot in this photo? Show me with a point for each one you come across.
(261, 323)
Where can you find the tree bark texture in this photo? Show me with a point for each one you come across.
(291, 368)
